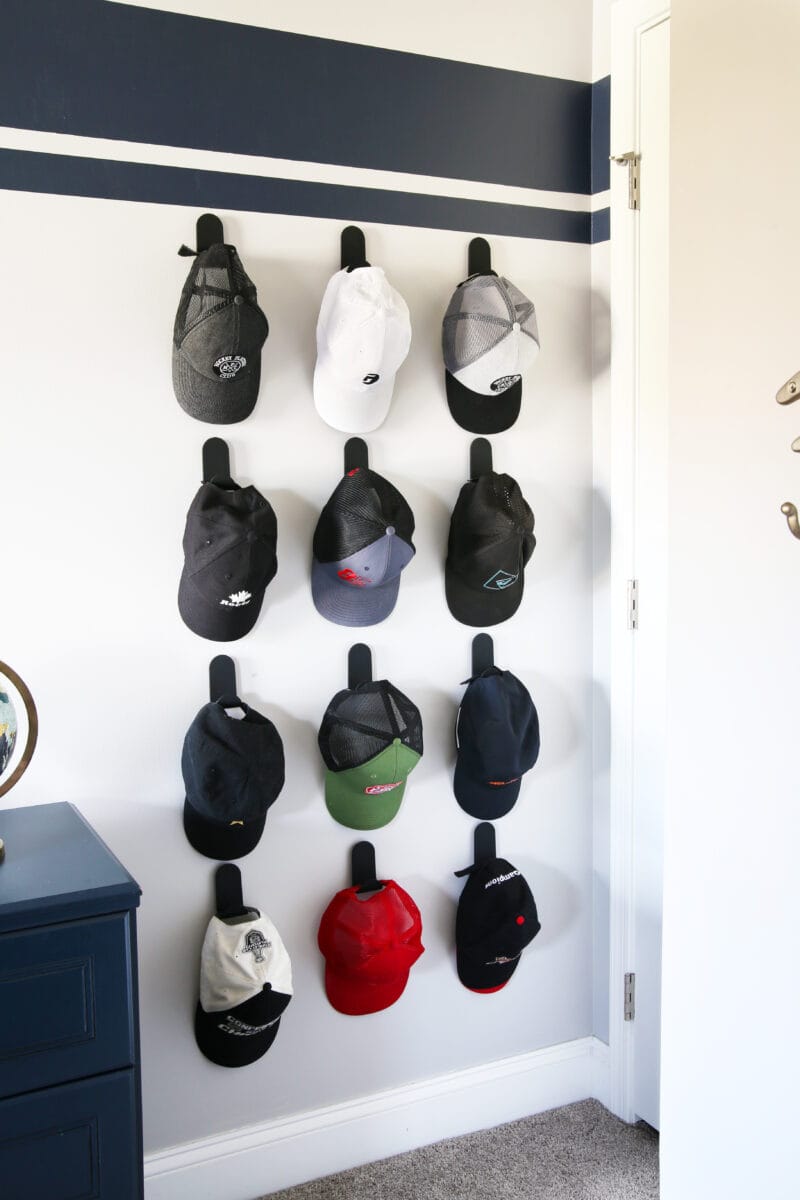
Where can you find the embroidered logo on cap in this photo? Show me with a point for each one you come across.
(254, 943)
(229, 365)
(370, 379)
(500, 581)
(353, 577)
(237, 599)
(501, 958)
(504, 382)
(377, 788)
(500, 879)
(504, 782)
(241, 1028)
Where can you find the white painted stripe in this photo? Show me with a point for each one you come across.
(284, 168)
(248, 1162)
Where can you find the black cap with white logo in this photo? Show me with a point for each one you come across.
(230, 556)
(217, 338)
(233, 771)
(495, 921)
(491, 540)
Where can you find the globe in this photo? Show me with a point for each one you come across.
(8, 730)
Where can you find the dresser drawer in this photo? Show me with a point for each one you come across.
(78, 1141)
(66, 1009)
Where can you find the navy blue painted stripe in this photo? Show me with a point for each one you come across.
(27, 171)
(108, 70)
(601, 134)
(601, 225)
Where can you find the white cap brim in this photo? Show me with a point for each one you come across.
(353, 411)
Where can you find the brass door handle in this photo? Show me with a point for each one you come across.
(789, 510)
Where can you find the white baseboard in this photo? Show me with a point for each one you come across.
(251, 1162)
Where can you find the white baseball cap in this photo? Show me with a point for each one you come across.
(363, 337)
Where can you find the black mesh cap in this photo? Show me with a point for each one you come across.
(217, 338)
(491, 541)
(361, 722)
(362, 542)
(230, 556)
(233, 771)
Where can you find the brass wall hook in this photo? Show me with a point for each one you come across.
(790, 390)
(789, 510)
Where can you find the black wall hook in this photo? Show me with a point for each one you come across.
(480, 458)
(359, 665)
(222, 678)
(482, 653)
(208, 231)
(484, 841)
(363, 873)
(479, 258)
(228, 890)
(356, 454)
(216, 459)
(354, 248)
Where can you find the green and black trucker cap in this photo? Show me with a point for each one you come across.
(370, 740)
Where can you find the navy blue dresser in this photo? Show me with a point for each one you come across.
(70, 1100)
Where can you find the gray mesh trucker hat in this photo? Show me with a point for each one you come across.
(361, 545)
(217, 339)
(489, 340)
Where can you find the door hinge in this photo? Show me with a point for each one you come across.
(633, 161)
(630, 996)
(633, 604)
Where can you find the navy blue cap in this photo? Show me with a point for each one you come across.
(497, 736)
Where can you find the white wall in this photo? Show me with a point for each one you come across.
(730, 1059)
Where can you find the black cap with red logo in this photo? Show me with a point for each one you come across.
(497, 736)
(496, 920)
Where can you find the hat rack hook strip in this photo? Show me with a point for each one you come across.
(222, 678)
(480, 457)
(353, 248)
(359, 665)
(363, 872)
(482, 653)
(356, 454)
(208, 232)
(228, 891)
(484, 842)
(216, 459)
(479, 257)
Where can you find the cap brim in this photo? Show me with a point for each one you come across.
(228, 1049)
(217, 402)
(217, 840)
(212, 621)
(355, 998)
(357, 811)
(352, 606)
(481, 800)
(482, 414)
(481, 976)
(351, 412)
(480, 607)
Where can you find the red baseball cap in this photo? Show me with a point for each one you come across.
(370, 942)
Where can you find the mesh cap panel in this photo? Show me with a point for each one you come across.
(216, 276)
(490, 511)
(481, 312)
(363, 506)
(361, 722)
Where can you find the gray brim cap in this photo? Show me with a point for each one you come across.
(211, 400)
(361, 589)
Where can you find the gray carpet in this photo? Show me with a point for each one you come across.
(580, 1152)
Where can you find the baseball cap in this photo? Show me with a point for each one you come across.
(217, 338)
(371, 740)
(496, 919)
(361, 544)
(489, 340)
(363, 336)
(497, 737)
(245, 987)
(370, 941)
(233, 771)
(229, 548)
(491, 540)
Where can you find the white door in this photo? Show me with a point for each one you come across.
(650, 559)
(639, 299)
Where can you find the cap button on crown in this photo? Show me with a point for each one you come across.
(516, 325)
(240, 300)
(390, 528)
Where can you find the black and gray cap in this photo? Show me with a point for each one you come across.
(489, 340)
(217, 339)
(230, 556)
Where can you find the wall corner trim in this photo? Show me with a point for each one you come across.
(257, 1159)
